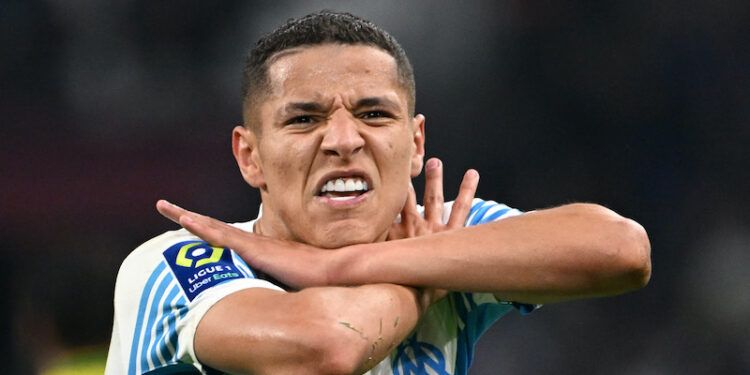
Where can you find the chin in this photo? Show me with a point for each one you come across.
(334, 238)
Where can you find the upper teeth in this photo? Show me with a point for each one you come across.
(341, 184)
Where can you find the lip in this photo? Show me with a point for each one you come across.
(341, 174)
(349, 203)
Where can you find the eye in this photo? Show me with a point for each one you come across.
(374, 115)
(300, 120)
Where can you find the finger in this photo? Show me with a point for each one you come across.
(219, 233)
(433, 191)
(174, 212)
(410, 214)
(410, 207)
(209, 229)
(405, 226)
(203, 230)
(462, 204)
(169, 210)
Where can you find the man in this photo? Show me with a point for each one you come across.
(342, 272)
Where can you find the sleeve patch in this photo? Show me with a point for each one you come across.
(199, 266)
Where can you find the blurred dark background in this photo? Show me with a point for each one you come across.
(641, 106)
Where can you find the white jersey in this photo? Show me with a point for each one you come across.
(167, 284)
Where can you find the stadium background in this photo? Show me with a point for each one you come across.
(641, 106)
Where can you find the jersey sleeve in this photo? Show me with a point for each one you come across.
(162, 293)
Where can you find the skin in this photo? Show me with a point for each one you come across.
(567, 252)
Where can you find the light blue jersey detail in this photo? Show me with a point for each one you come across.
(476, 320)
(162, 305)
(154, 329)
(487, 211)
(242, 266)
(160, 269)
(155, 312)
(417, 358)
(443, 342)
(167, 344)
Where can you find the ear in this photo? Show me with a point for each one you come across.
(417, 158)
(245, 149)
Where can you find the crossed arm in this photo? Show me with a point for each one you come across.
(356, 302)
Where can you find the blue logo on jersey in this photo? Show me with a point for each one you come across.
(415, 358)
(198, 266)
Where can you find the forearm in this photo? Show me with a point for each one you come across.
(317, 330)
(568, 252)
(371, 319)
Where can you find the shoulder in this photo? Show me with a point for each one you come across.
(151, 250)
(141, 262)
(485, 211)
(172, 247)
(482, 211)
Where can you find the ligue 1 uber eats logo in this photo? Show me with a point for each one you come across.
(199, 266)
(197, 253)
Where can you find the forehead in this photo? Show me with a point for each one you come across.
(328, 70)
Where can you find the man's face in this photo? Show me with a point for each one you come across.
(336, 149)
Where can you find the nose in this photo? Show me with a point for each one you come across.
(342, 137)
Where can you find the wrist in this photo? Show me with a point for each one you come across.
(346, 266)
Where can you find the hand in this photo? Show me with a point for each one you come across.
(294, 264)
(412, 224)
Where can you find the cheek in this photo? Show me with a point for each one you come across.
(395, 162)
(399, 152)
(281, 169)
(287, 163)
(297, 157)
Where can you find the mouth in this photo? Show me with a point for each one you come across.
(343, 187)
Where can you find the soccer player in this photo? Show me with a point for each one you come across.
(342, 272)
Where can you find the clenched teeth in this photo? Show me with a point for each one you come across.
(344, 185)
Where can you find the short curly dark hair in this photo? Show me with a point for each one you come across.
(321, 28)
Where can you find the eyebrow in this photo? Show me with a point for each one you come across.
(303, 106)
(299, 107)
(375, 101)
